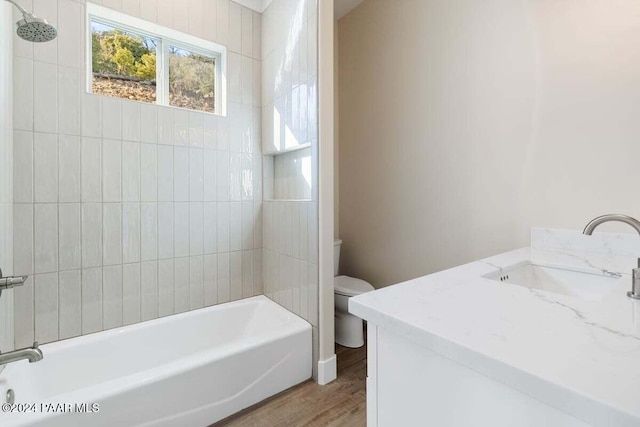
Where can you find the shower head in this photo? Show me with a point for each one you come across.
(34, 29)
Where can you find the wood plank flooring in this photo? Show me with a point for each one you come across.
(340, 403)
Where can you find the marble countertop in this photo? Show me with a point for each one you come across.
(579, 356)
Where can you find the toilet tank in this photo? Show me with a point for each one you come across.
(336, 256)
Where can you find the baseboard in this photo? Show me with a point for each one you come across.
(327, 370)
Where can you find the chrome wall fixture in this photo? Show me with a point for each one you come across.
(634, 293)
(32, 28)
(32, 354)
(11, 282)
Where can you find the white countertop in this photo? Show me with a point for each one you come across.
(581, 357)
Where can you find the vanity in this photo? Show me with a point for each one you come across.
(540, 336)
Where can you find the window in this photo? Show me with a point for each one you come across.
(138, 60)
(123, 63)
(191, 79)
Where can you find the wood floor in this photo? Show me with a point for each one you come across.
(340, 403)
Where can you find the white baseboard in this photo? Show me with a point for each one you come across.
(327, 370)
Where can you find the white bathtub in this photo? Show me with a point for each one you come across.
(192, 369)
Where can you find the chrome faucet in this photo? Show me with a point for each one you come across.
(32, 354)
(11, 282)
(588, 230)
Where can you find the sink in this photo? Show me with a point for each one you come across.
(586, 285)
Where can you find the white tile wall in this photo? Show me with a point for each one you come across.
(70, 308)
(23, 167)
(91, 235)
(127, 211)
(111, 170)
(223, 277)
(45, 153)
(45, 110)
(196, 228)
(289, 260)
(69, 168)
(235, 276)
(46, 307)
(46, 237)
(91, 168)
(131, 171)
(181, 284)
(210, 279)
(111, 296)
(148, 172)
(196, 282)
(292, 175)
(166, 291)
(69, 248)
(289, 75)
(290, 263)
(92, 314)
(131, 120)
(111, 234)
(181, 229)
(148, 231)
(181, 174)
(131, 231)
(69, 80)
(149, 290)
(6, 174)
(131, 290)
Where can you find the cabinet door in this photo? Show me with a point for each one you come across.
(417, 387)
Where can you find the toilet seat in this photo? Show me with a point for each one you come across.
(350, 286)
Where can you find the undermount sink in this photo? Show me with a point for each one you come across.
(585, 285)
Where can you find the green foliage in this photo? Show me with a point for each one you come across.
(125, 61)
(115, 52)
(96, 51)
(147, 68)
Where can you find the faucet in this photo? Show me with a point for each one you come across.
(11, 281)
(32, 354)
(588, 230)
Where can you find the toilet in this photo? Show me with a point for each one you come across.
(349, 328)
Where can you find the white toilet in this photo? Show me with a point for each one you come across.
(349, 330)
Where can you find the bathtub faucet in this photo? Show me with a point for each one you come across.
(32, 354)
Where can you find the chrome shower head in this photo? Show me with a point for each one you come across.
(33, 29)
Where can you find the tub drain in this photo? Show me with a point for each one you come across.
(11, 396)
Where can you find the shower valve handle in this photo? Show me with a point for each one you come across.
(11, 281)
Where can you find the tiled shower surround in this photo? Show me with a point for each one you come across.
(126, 211)
(290, 142)
(6, 174)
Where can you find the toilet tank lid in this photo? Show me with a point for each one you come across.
(350, 286)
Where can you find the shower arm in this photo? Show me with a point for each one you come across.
(20, 8)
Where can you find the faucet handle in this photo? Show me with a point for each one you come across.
(11, 281)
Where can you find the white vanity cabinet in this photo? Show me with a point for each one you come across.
(409, 385)
(543, 336)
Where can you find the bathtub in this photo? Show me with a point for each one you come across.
(191, 369)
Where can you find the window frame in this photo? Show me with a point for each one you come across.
(166, 37)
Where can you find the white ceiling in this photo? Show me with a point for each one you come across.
(342, 7)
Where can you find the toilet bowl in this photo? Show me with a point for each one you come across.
(349, 328)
